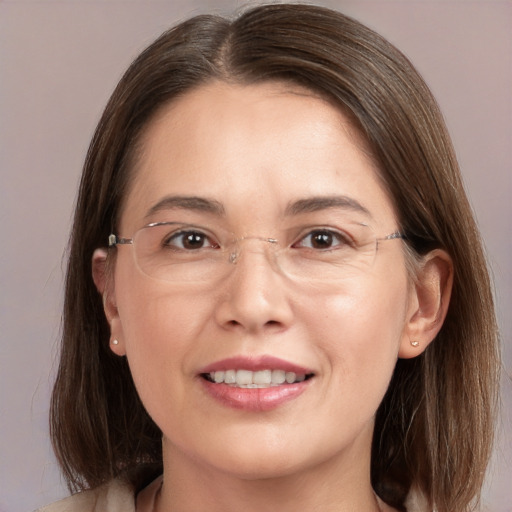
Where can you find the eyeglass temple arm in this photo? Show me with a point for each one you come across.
(394, 235)
(115, 240)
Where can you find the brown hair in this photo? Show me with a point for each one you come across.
(434, 428)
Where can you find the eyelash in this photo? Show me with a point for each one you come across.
(333, 236)
(167, 241)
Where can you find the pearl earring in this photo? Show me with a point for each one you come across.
(415, 343)
(115, 342)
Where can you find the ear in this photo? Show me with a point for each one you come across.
(430, 299)
(104, 281)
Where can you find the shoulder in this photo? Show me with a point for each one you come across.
(115, 496)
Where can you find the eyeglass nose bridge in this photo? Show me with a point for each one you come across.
(236, 249)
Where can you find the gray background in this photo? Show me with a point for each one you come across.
(59, 61)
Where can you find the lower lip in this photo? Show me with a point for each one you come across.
(255, 399)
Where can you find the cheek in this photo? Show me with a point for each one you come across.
(362, 306)
(156, 321)
(159, 329)
(160, 333)
(360, 333)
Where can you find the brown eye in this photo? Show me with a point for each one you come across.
(322, 239)
(188, 241)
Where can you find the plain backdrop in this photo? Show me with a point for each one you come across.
(59, 61)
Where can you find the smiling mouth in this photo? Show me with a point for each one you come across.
(260, 379)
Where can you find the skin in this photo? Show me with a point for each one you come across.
(255, 149)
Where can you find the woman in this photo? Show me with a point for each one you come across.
(293, 307)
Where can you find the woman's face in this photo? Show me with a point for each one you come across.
(252, 163)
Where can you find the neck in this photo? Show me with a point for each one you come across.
(332, 486)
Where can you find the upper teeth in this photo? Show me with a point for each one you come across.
(258, 379)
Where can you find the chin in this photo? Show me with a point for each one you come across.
(257, 459)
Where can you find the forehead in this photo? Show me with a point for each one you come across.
(252, 147)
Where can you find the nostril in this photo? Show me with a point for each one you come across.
(251, 300)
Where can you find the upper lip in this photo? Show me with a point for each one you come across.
(255, 363)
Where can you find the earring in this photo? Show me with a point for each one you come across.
(115, 342)
(415, 343)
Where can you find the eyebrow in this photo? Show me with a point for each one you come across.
(314, 204)
(199, 204)
(309, 205)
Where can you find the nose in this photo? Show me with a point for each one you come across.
(255, 296)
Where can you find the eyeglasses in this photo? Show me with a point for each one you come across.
(178, 252)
